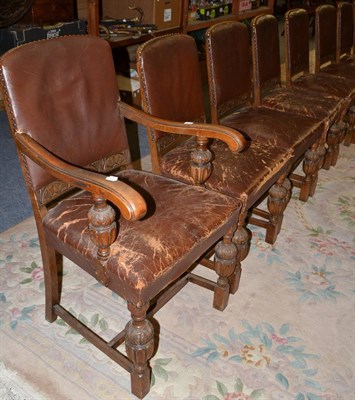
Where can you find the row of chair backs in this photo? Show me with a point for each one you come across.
(334, 33)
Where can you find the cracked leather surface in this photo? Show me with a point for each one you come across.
(248, 172)
(148, 254)
(280, 129)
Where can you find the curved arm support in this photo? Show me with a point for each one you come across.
(234, 139)
(130, 203)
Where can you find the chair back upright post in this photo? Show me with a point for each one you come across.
(325, 37)
(230, 81)
(157, 73)
(345, 29)
(266, 55)
(296, 44)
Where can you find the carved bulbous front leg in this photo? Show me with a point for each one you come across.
(139, 342)
(288, 186)
(241, 239)
(332, 137)
(310, 168)
(350, 133)
(342, 126)
(225, 262)
(321, 151)
(276, 204)
(201, 166)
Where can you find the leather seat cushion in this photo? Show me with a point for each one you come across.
(150, 253)
(327, 85)
(348, 59)
(246, 174)
(344, 70)
(275, 128)
(300, 101)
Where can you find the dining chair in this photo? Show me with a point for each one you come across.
(297, 64)
(231, 99)
(137, 233)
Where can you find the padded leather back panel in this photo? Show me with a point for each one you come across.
(326, 19)
(171, 79)
(64, 100)
(266, 49)
(229, 63)
(297, 36)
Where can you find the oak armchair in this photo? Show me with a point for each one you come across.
(171, 87)
(137, 233)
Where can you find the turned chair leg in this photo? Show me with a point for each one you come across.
(333, 132)
(52, 265)
(321, 152)
(241, 240)
(139, 341)
(225, 264)
(310, 168)
(350, 132)
(276, 204)
(287, 184)
(340, 138)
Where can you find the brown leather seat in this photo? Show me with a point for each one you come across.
(230, 87)
(137, 233)
(345, 32)
(298, 75)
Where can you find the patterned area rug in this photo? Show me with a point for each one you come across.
(288, 333)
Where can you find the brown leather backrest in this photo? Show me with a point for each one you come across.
(296, 43)
(266, 52)
(64, 100)
(325, 36)
(229, 67)
(171, 84)
(345, 28)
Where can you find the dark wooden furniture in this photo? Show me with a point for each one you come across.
(171, 86)
(268, 92)
(298, 75)
(237, 14)
(185, 24)
(326, 45)
(230, 85)
(326, 54)
(137, 233)
(345, 32)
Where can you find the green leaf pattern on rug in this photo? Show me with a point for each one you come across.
(36, 275)
(314, 285)
(279, 357)
(159, 370)
(346, 209)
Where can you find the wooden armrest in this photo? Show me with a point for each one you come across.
(234, 139)
(130, 203)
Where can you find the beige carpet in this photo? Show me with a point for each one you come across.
(287, 334)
